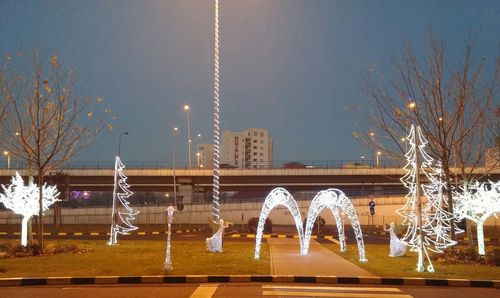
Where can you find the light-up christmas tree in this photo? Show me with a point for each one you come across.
(122, 214)
(428, 227)
(438, 225)
(24, 200)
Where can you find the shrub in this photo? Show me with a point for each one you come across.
(254, 221)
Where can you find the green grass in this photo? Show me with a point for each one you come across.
(141, 258)
(380, 264)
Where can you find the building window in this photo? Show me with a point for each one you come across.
(261, 134)
(261, 147)
(255, 153)
(262, 141)
(255, 133)
(262, 154)
(255, 141)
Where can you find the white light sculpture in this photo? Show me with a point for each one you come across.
(477, 202)
(216, 172)
(214, 243)
(333, 199)
(438, 225)
(428, 227)
(121, 224)
(170, 218)
(397, 247)
(279, 197)
(24, 200)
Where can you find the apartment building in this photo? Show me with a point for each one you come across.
(251, 148)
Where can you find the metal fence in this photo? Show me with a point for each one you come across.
(302, 164)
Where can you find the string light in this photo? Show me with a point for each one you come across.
(428, 227)
(122, 224)
(477, 202)
(332, 198)
(24, 200)
(216, 147)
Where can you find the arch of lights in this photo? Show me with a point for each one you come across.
(333, 199)
(278, 197)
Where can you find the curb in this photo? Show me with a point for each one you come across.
(80, 234)
(405, 281)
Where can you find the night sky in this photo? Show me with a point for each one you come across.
(292, 66)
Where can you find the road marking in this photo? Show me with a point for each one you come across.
(372, 289)
(156, 233)
(62, 234)
(3, 233)
(141, 233)
(339, 294)
(304, 291)
(204, 291)
(78, 234)
(94, 234)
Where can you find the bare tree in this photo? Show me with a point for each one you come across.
(453, 103)
(46, 124)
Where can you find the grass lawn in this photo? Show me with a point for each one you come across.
(141, 257)
(380, 264)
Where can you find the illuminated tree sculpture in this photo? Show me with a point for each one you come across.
(23, 200)
(122, 214)
(477, 202)
(428, 227)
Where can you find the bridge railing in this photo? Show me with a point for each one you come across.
(145, 164)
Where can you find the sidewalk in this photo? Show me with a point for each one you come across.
(286, 260)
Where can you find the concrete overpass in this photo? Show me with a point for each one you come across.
(192, 181)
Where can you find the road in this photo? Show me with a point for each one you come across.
(244, 290)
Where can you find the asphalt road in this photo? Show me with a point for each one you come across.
(244, 290)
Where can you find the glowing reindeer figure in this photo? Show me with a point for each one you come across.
(398, 247)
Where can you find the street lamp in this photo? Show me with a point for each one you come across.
(186, 108)
(7, 155)
(174, 131)
(120, 142)
(378, 156)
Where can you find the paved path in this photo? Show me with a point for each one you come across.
(286, 259)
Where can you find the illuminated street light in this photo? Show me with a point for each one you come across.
(7, 155)
(412, 105)
(174, 131)
(186, 108)
(378, 156)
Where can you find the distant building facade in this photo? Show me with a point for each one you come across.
(251, 148)
(205, 155)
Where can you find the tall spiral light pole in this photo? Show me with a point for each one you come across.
(216, 172)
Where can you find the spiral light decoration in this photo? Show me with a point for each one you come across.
(216, 171)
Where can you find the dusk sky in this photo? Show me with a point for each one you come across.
(292, 66)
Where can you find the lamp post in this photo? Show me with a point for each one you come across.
(120, 142)
(170, 218)
(378, 156)
(186, 108)
(7, 155)
(174, 131)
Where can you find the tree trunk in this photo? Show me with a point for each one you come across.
(24, 231)
(447, 177)
(480, 238)
(40, 211)
(470, 237)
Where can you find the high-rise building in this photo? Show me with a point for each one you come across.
(251, 148)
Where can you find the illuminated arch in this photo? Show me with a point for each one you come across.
(335, 200)
(278, 197)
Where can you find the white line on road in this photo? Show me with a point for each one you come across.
(338, 294)
(204, 291)
(371, 289)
